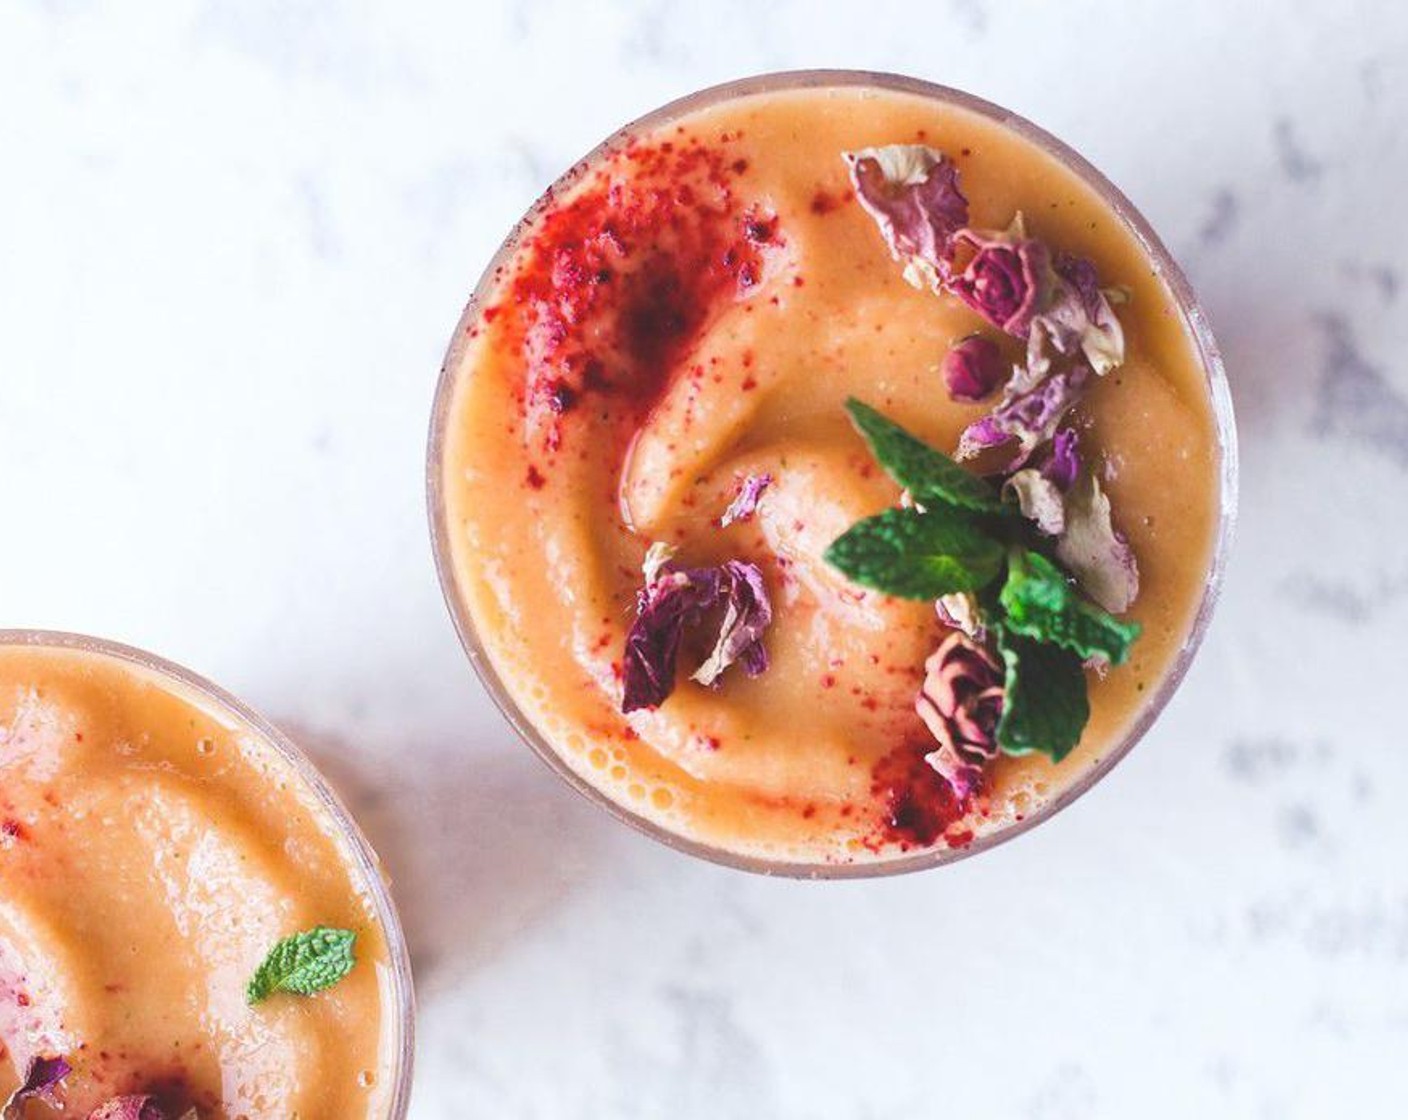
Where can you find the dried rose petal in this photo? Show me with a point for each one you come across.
(134, 1107)
(1008, 279)
(1030, 418)
(746, 616)
(1093, 551)
(1040, 492)
(959, 611)
(1039, 499)
(1077, 319)
(41, 1078)
(745, 502)
(912, 193)
(677, 599)
(1062, 465)
(961, 703)
(973, 369)
(666, 607)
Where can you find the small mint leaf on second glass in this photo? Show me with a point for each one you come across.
(304, 963)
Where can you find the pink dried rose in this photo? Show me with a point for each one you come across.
(961, 703)
(912, 193)
(1009, 278)
(973, 369)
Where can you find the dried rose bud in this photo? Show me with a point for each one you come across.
(973, 369)
(1007, 279)
(961, 702)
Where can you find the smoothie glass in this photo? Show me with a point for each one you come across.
(1186, 306)
(365, 868)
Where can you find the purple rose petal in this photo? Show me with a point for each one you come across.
(745, 502)
(679, 599)
(1077, 319)
(673, 601)
(41, 1078)
(1030, 418)
(912, 193)
(746, 616)
(1062, 465)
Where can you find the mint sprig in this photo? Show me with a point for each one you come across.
(1045, 707)
(915, 555)
(928, 475)
(1040, 602)
(1045, 630)
(304, 963)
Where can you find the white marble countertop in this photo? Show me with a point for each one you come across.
(234, 237)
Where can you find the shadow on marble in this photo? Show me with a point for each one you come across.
(478, 854)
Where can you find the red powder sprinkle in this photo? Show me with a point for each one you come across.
(824, 202)
(12, 830)
(535, 477)
(828, 681)
(759, 229)
(750, 382)
(612, 285)
(919, 806)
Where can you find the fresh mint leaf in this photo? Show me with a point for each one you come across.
(304, 963)
(1041, 603)
(1045, 705)
(917, 555)
(930, 476)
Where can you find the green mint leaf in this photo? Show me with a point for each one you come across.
(1045, 707)
(1041, 603)
(929, 475)
(304, 963)
(917, 555)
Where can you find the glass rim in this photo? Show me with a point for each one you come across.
(364, 857)
(1215, 380)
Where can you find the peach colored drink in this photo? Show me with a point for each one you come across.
(153, 848)
(694, 306)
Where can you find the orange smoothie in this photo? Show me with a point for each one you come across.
(153, 848)
(691, 309)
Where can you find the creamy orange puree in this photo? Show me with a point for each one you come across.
(153, 848)
(697, 305)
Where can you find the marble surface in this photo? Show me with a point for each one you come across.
(234, 237)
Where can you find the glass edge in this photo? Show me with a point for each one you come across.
(1199, 331)
(368, 863)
